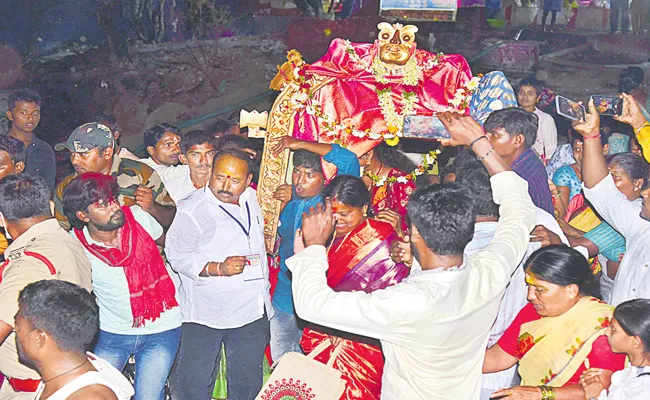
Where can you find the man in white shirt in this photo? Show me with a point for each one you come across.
(434, 325)
(633, 276)
(527, 95)
(472, 175)
(216, 244)
(197, 153)
(162, 143)
(139, 313)
(56, 325)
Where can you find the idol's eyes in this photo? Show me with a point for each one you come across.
(406, 38)
(385, 36)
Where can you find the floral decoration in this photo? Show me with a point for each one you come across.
(287, 389)
(463, 95)
(574, 348)
(603, 323)
(549, 377)
(526, 342)
(428, 161)
(411, 75)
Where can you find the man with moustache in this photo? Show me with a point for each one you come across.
(197, 153)
(92, 149)
(163, 146)
(216, 244)
(139, 314)
(56, 325)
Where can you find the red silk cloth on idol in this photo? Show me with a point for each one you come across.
(360, 262)
(393, 196)
(352, 96)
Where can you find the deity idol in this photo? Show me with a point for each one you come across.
(370, 87)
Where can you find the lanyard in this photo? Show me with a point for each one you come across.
(246, 232)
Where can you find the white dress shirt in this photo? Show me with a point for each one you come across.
(164, 171)
(546, 141)
(632, 383)
(632, 278)
(202, 232)
(180, 186)
(433, 326)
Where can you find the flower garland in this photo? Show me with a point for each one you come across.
(428, 161)
(463, 95)
(394, 119)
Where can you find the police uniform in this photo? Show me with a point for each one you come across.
(44, 251)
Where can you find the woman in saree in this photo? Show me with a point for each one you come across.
(387, 173)
(628, 334)
(559, 334)
(584, 228)
(359, 259)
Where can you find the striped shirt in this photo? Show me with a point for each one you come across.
(530, 167)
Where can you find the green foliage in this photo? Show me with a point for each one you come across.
(204, 17)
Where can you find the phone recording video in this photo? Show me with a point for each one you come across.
(608, 105)
(570, 109)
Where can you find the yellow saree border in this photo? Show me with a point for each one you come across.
(561, 344)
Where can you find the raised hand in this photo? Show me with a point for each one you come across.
(591, 125)
(462, 128)
(318, 224)
(283, 193)
(286, 142)
(400, 251)
(631, 114)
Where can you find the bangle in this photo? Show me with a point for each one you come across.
(592, 137)
(548, 392)
(476, 140)
(483, 157)
(219, 269)
(636, 131)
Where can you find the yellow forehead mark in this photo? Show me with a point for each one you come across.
(530, 279)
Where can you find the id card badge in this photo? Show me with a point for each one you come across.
(253, 269)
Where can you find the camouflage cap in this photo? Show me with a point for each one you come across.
(87, 137)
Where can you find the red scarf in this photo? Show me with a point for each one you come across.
(152, 290)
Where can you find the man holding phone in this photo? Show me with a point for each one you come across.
(91, 148)
(527, 95)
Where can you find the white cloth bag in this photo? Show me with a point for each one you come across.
(300, 377)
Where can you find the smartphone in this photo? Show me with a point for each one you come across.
(608, 105)
(424, 127)
(570, 109)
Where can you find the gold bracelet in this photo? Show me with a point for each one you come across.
(548, 392)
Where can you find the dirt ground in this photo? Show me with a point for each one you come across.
(177, 82)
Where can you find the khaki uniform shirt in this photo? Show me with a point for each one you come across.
(70, 263)
(129, 174)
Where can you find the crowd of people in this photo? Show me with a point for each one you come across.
(519, 270)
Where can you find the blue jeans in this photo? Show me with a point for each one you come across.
(286, 331)
(154, 355)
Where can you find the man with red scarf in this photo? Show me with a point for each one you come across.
(138, 311)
